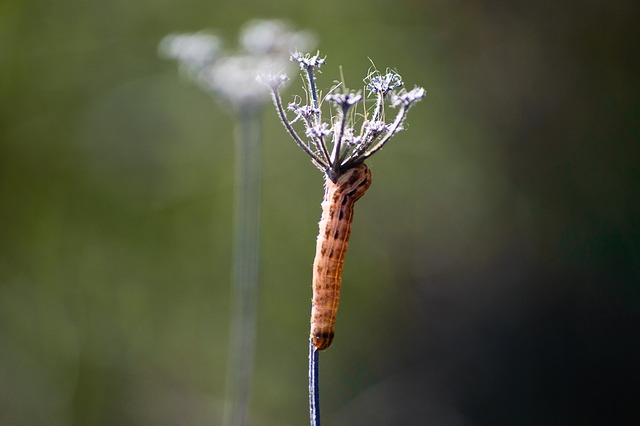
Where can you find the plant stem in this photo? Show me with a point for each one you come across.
(314, 387)
(244, 296)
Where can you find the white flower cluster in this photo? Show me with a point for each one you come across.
(265, 46)
(341, 143)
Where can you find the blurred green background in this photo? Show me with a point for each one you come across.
(494, 267)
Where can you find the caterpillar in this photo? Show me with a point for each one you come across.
(339, 150)
(331, 247)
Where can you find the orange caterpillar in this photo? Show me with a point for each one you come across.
(331, 247)
(339, 147)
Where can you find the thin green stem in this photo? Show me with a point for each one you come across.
(245, 271)
(335, 156)
(312, 88)
(316, 105)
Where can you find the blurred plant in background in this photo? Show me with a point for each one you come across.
(231, 77)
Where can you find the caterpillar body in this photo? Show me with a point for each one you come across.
(331, 247)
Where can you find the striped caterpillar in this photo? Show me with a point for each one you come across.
(331, 248)
(339, 148)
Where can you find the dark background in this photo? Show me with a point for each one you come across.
(493, 276)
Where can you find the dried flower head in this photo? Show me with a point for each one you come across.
(383, 83)
(307, 61)
(347, 138)
(344, 100)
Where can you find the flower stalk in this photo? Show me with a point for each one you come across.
(339, 151)
(245, 269)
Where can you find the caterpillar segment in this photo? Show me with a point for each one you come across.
(331, 248)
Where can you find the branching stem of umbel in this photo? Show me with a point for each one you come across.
(339, 148)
